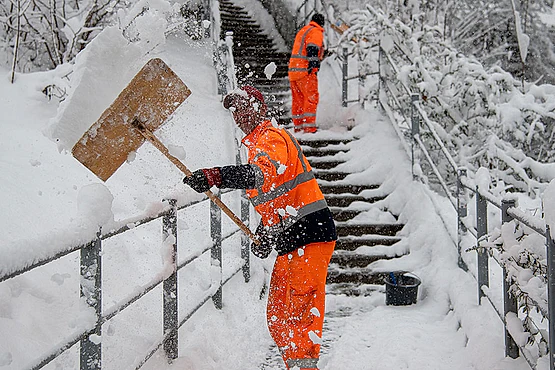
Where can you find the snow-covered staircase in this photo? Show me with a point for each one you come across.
(350, 270)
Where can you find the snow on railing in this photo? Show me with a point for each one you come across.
(91, 286)
(91, 261)
(403, 94)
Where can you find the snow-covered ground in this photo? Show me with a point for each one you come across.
(50, 201)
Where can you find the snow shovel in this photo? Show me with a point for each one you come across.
(143, 106)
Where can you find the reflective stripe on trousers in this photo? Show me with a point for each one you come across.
(296, 301)
(304, 99)
(303, 363)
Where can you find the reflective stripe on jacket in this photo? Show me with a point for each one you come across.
(286, 189)
(311, 34)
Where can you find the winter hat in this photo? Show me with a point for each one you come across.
(318, 18)
(248, 92)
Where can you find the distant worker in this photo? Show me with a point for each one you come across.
(308, 52)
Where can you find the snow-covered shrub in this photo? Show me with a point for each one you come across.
(41, 35)
(484, 116)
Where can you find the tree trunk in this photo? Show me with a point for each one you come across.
(16, 46)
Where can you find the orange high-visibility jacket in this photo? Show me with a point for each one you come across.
(286, 194)
(286, 189)
(310, 35)
(281, 186)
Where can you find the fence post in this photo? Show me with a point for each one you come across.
(91, 291)
(482, 230)
(216, 251)
(551, 295)
(169, 230)
(245, 215)
(415, 129)
(232, 77)
(245, 241)
(462, 212)
(510, 303)
(220, 60)
(344, 88)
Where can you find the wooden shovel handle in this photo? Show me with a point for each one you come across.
(148, 135)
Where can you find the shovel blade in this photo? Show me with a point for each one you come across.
(151, 97)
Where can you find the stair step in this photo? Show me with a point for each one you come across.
(345, 200)
(366, 229)
(341, 214)
(351, 243)
(239, 28)
(321, 143)
(328, 175)
(314, 152)
(360, 277)
(325, 165)
(236, 20)
(236, 16)
(346, 188)
(350, 260)
(351, 289)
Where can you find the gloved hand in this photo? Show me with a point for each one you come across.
(265, 247)
(202, 180)
(313, 66)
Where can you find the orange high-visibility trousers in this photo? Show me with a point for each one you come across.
(296, 303)
(304, 99)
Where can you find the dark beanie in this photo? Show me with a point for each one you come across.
(318, 18)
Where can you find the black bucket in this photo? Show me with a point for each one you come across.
(401, 289)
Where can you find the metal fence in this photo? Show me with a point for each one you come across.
(91, 285)
(432, 163)
(90, 348)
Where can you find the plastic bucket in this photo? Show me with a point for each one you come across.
(401, 289)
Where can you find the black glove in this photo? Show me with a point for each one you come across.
(313, 59)
(202, 180)
(265, 247)
(313, 66)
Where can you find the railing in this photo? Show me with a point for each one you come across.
(90, 261)
(433, 164)
(91, 285)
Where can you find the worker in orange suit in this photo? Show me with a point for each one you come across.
(308, 52)
(295, 221)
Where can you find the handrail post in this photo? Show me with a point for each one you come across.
(551, 295)
(91, 291)
(231, 61)
(482, 230)
(245, 241)
(245, 215)
(415, 128)
(207, 16)
(462, 212)
(216, 251)
(510, 303)
(220, 60)
(169, 235)
(344, 88)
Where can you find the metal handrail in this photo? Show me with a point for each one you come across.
(536, 224)
(166, 214)
(119, 307)
(31, 265)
